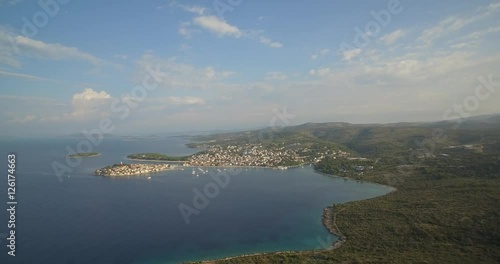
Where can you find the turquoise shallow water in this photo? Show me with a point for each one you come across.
(89, 219)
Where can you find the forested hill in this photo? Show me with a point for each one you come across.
(375, 140)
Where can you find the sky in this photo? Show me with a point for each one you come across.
(146, 67)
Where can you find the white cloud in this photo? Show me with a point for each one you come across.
(24, 119)
(222, 28)
(12, 47)
(25, 76)
(56, 51)
(89, 94)
(194, 9)
(480, 33)
(199, 10)
(276, 76)
(186, 30)
(217, 26)
(269, 42)
(455, 23)
(9, 2)
(21, 109)
(120, 56)
(171, 103)
(187, 100)
(391, 38)
(348, 55)
(181, 75)
(320, 54)
(466, 44)
(320, 72)
(89, 103)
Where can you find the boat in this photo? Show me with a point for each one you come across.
(149, 178)
(193, 172)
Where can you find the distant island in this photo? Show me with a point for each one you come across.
(123, 169)
(84, 155)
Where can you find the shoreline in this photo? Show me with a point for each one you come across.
(392, 188)
(83, 156)
(222, 166)
(163, 161)
(132, 175)
(125, 170)
(328, 220)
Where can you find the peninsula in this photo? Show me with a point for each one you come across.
(252, 155)
(132, 169)
(157, 157)
(84, 155)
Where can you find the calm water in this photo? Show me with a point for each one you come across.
(89, 219)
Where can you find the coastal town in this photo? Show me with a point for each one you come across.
(245, 155)
(132, 169)
(261, 156)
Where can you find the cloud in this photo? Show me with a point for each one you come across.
(480, 33)
(348, 55)
(276, 76)
(186, 30)
(13, 46)
(21, 109)
(455, 23)
(221, 28)
(88, 94)
(89, 104)
(187, 100)
(194, 9)
(24, 119)
(170, 103)
(56, 51)
(26, 76)
(217, 26)
(466, 44)
(120, 56)
(320, 54)
(9, 2)
(269, 42)
(178, 75)
(391, 38)
(320, 72)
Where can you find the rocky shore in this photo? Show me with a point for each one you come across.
(132, 169)
(329, 217)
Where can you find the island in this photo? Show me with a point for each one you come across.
(84, 155)
(123, 169)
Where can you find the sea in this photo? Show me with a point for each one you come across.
(82, 218)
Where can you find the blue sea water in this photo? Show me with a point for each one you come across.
(91, 219)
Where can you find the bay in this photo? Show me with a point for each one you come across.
(88, 219)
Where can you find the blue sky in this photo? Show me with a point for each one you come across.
(228, 64)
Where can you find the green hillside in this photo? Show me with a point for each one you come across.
(445, 208)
